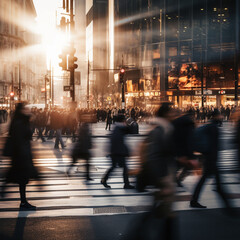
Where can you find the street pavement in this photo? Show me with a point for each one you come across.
(68, 207)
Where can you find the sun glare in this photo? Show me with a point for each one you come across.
(53, 39)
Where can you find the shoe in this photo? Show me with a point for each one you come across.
(128, 186)
(179, 184)
(104, 183)
(89, 179)
(195, 204)
(27, 206)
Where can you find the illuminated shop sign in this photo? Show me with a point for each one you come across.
(145, 94)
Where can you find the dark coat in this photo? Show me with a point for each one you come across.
(210, 162)
(117, 144)
(84, 143)
(22, 168)
(183, 135)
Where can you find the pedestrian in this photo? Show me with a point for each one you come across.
(57, 124)
(210, 162)
(158, 170)
(22, 168)
(109, 120)
(82, 149)
(183, 135)
(118, 152)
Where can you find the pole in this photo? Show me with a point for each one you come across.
(123, 97)
(50, 84)
(72, 82)
(52, 71)
(45, 91)
(236, 52)
(123, 92)
(88, 83)
(12, 100)
(20, 83)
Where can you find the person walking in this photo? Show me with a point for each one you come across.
(183, 135)
(82, 149)
(22, 168)
(118, 152)
(109, 120)
(210, 163)
(158, 170)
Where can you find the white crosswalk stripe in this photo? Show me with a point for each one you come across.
(57, 194)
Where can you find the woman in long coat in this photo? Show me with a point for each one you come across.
(22, 168)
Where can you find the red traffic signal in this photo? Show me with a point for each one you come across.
(121, 75)
(122, 70)
(11, 94)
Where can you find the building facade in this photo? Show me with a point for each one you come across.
(21, 70)
(184, 51)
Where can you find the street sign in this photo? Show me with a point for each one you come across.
(205, 92)
(67, 88)
(221, 92)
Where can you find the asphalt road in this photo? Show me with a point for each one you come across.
(191, 225)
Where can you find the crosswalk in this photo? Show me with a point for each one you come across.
(58, 194)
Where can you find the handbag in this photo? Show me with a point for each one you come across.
(8, 148)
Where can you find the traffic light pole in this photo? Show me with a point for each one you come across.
(72, 70)
(123, 96)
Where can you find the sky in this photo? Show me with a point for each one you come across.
(52, 39)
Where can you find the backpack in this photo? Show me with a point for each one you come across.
(201, 141)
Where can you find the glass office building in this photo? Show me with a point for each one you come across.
(184, 51)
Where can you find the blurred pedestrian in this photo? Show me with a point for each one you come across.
(22, 168)
(158, 169)
(109, 120)
(210, 162)
(118, 152)
(183, 135)
(82, 149)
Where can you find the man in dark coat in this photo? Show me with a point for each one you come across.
(210, 163)
(118, 152)
(22, 168)
(183, 135)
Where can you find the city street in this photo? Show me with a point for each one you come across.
(68, 207)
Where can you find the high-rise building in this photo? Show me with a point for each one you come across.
(20, 68)
(186, 51)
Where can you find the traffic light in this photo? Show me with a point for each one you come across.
(71, 62)
(204, 99)
(63, 57)
(121, 75)
(12, 95)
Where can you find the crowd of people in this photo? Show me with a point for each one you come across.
(167, 153)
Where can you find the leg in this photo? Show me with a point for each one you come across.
(106, 176)
(22, 190)
(220, 190)
(125, 177)
(74, 160)
(88, 170)
(24, 203)
(57, 140)
(194, 201)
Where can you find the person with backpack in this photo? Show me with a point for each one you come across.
(207, 142)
